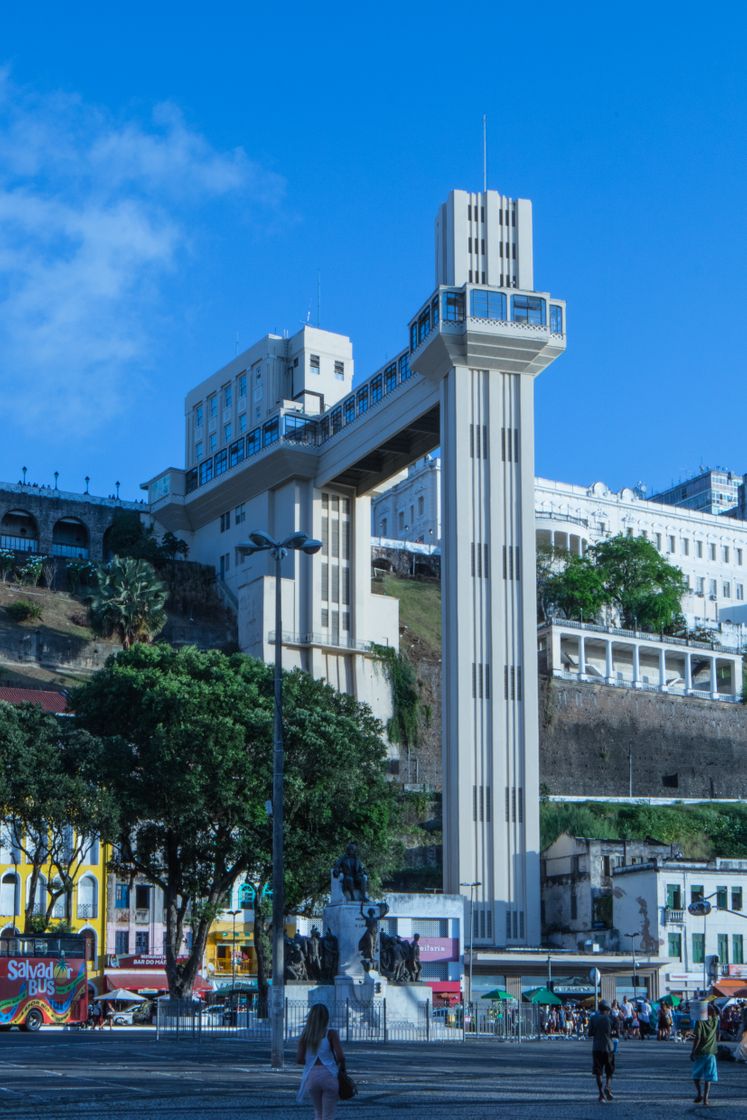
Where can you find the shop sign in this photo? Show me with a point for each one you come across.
(439, 948)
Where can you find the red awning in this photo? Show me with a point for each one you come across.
(445, 985)
(733, 987)
(147, 980)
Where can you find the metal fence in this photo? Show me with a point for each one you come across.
(357, 1023)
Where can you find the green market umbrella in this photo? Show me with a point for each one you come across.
(499, 993)
(673, 1001)
(542, 995)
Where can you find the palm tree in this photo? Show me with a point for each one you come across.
(128, 601)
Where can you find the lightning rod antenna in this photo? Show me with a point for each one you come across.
(485, 151)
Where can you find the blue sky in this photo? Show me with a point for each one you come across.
(172, 176)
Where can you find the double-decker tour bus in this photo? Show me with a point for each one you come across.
(42, 980)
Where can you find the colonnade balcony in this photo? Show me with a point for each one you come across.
(562, 532)
(634, 659)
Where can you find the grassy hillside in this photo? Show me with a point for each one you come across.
(419, 611)
(701, 831)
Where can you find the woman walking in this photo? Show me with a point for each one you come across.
(703, 1055)
(322, 1057)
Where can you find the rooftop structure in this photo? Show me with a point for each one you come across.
(711, 491)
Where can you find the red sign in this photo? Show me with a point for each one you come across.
(141, 962)
(439, 949)
(738, 970)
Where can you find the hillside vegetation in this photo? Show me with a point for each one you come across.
(701, 831)
(419, 612)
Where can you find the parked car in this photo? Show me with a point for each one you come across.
(216, 1015)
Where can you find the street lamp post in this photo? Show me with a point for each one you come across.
(259, 541)
(472, 887)
(634, 936)
(234, 999)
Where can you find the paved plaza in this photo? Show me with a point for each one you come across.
(131, 1076)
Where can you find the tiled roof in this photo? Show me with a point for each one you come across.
(50, 701)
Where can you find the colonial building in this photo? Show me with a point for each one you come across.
(651, 901)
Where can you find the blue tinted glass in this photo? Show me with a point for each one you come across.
(453, 306)
(404, 368)
(528, 309)
(556, 319)
(253, 442)
(479, 305)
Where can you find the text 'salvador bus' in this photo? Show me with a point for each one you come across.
(42, 980)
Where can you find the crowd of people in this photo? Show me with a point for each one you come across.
(631, 1019)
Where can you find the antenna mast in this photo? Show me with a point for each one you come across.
(484, 152)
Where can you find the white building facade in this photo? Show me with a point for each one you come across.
(651, 900)
(710, 549)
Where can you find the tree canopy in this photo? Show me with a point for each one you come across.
(188, 754)
(627, 575)
(53, 805)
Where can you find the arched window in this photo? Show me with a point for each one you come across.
(87, 897)
(19, 530)
(40, 901)
(70, 538)
(9, 897)
(61, 908)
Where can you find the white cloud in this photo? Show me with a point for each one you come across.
(93, 216)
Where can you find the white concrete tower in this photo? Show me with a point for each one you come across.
(489, 334)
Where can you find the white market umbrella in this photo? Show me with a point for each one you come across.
(123, 995)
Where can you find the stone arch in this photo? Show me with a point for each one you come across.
(106, 551)
(89, 935)
(19, 529)
(70, 538)
(425, 568)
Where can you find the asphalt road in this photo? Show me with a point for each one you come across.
(126, 1076)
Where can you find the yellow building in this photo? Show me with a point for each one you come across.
(229, 950)
(84, 909)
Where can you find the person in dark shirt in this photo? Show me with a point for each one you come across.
(602, 1051)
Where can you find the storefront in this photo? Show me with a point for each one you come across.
(146, 976)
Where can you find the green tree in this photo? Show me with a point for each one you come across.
(576, 589)
(188, 755)
(128, 536)
(644, 588)
(53, 806)
(129, 601)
